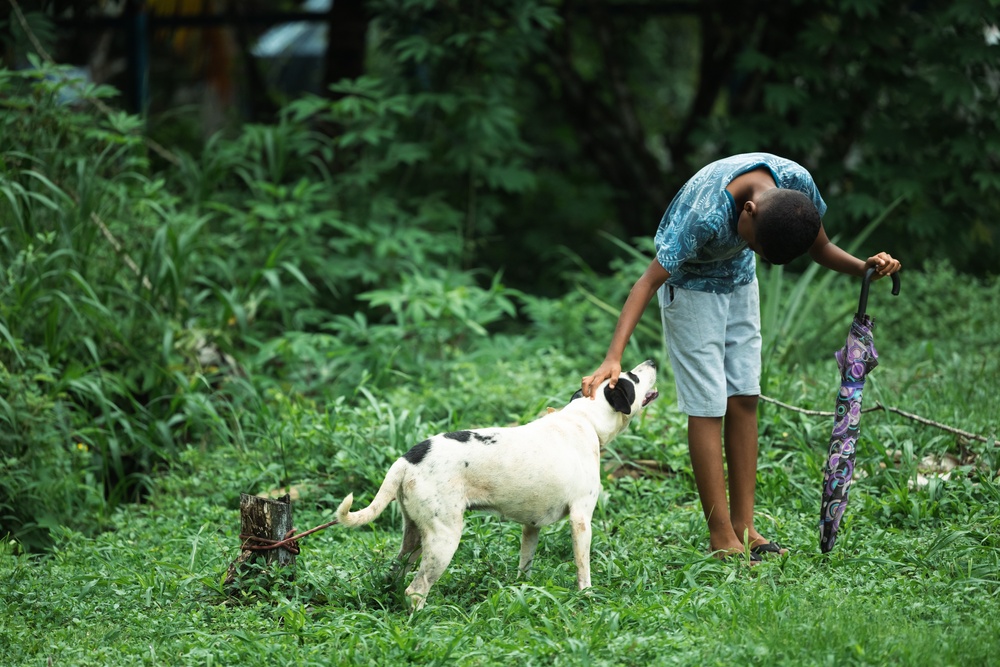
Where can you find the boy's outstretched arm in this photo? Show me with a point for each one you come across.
(826, 253)
(638, 298)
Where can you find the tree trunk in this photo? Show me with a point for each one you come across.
(345, 49)
(270, 520)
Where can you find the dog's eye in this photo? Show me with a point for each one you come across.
(632, 376)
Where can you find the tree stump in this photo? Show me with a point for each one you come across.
(271, 521)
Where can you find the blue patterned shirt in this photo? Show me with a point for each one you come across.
(697, 242)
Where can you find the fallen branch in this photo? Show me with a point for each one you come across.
(944, 427)
(120, 249)
(804, 411)
(886, 408)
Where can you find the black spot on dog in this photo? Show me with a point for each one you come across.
(418, 452)
(622, 396)
(465, 436)
(466, 464)
(578, 394)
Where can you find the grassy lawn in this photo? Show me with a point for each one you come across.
(148, 592)
(914, 578)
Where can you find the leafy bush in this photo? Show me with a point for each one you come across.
(95, 286)
(46, 476)
(148, 320)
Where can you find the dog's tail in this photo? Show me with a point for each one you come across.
(386, 494)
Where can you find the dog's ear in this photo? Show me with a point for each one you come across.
(578, 394)
(622, 396)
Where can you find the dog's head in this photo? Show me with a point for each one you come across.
(634, 390)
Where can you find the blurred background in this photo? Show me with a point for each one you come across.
(557, 119)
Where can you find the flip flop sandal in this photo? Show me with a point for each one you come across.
(762, 550)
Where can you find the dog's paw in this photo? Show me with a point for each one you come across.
(415, 601)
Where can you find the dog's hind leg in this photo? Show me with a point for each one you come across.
(529, 542)
(439, 547)
(409, 551)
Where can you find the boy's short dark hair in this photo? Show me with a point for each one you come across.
(787, 223)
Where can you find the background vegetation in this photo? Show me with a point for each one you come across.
(444, 243)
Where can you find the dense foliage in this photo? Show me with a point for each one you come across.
(571, 118)
(885, 100)
(140, 317)
(537, 123)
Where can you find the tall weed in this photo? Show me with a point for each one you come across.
(162, 305)
(93, 292)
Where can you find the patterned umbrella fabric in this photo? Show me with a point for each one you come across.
(856, 360)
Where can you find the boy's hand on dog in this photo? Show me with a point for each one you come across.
(608, 369)
(884, 263)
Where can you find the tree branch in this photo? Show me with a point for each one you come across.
(878, 406)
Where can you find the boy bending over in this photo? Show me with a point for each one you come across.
(704, 275)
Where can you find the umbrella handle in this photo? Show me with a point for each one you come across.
(866, 281)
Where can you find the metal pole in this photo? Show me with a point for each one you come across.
(139, 56)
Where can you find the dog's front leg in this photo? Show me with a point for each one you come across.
(579, 523)
(529, 542)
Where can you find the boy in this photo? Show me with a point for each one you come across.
(706, 282)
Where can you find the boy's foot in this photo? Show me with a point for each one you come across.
(767, 549)
(758, 543)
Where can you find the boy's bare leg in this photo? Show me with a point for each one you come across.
(741, 459)
(705, 446)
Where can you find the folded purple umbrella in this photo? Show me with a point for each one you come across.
(856, 359)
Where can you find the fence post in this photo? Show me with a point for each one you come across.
(267, 519)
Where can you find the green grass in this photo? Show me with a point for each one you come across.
(913, 580)
(150, 593)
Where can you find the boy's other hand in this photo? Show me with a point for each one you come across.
(608, 369)
(884, 265)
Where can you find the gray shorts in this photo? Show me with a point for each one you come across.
(714, 344)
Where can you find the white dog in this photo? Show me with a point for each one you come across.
(534, 474)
